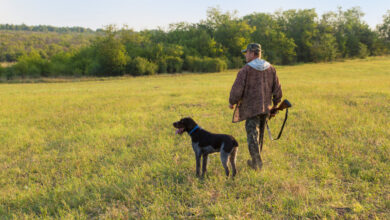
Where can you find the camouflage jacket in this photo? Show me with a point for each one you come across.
(254, 89)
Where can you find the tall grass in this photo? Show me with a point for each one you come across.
(107, 149)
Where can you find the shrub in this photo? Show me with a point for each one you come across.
(141, 66)
(32, 65)
(162, 66)
(2, 73)
(206, 64)
(60, 65)
(174, 64)
(363, 51)
(215, 65)
(111, 55)
(81, 62)
(324, 48)
(192, 64)
(236, 62)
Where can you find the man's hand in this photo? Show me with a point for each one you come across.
(231, 106)
(273, 112)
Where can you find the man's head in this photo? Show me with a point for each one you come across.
(252, 51)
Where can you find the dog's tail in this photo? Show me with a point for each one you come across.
(235, 143)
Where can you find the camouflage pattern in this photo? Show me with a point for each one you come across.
(255, 134)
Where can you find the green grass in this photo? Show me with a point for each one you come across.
(107, 149)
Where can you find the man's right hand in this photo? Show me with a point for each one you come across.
(273, 112)
(231, 106)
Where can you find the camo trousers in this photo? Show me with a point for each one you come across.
(255, 133)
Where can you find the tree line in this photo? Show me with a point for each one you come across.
(45, 28)
(212, 45)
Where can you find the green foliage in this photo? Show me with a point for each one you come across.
(384, 34)
(196, 39)
(2, 75)
(44, 28)
(287, 37)
(13, 44)
(276, 46)
(206, 64)
(324, 48)
(83, 63)
(31, 65)
(363, 51)
(300, 25)
(61, 64)
(174, 64)
(110, 53)
(232, 33)
(236, 62)
(141, 66)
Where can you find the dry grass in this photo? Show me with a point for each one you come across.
(107, 149)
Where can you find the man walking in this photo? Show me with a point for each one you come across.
(255, 92)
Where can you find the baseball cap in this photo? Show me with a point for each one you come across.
(252, 47)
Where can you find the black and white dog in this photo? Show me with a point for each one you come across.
(204, 143)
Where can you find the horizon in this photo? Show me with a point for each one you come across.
(161, 15)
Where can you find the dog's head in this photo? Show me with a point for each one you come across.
(185, 124)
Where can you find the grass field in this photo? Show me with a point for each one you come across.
(107, 149)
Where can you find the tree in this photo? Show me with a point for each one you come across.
(195, 39)
(384, 28)
(351, 32)
(276, 46)
(110, 53)
(232, 33)
(301, 26)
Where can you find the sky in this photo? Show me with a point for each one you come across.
(151, 14)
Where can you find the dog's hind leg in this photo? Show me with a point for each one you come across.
(204, 165)
(232, 159)
(224, 160)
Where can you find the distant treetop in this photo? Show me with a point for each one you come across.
(45, 28)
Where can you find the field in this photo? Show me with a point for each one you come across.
(107, 149)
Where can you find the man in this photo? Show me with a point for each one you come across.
(256, 84)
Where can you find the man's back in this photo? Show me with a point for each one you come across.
(256, 88)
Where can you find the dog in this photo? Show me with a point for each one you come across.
(205, 143)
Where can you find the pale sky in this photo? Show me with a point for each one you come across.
(150, 14)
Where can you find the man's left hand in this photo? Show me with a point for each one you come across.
(231, 106)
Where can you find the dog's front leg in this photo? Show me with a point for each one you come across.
(204, 165)
(197, 157)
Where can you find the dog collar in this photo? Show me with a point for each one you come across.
(196, 127)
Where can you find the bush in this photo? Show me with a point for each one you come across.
(141, 66)
(170, 64)
(206, 64)
(81, 62)
(60, 65)
(174, 64)
(162, 66)
(111, 56)
(32, 65)
(324, 48)
(363, 51)
(236, 62)
(215, 65)
(2, 73)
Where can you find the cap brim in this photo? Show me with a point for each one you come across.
(243, 51)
